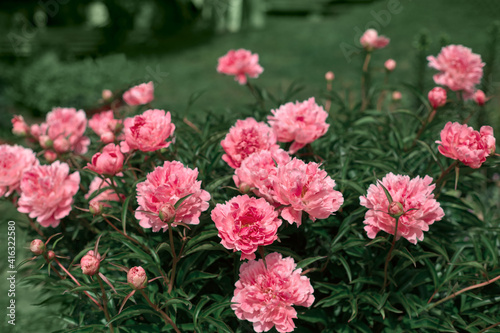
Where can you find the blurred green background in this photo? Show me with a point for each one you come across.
(65, 52)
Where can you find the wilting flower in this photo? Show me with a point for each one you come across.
(14, 161)
(109, 162)
(137, 278)
(37, 246)
(413, 201)
(257, 170)
(47, 192)
(245, 138)
(266, 292)
(437, 97)
(304, 187)
(246, 223)
(148, 131)
(463, 143)
(371, 40)
(65, 127)
(90, 263)
(19, 126)
(460, 69)
(105, 125)
(240, 63)
(300, 122)
(390, 64)
(139, 95)
(107, 195)
(479, 97)
(162, 190)
(329, 76)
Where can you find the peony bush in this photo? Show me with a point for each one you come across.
(304, 216)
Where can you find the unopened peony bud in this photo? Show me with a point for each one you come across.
(108, 137)
(95, 207)
(390, 64)
(329, 76)
(37, 247)
(396, 96)
(50, 156)
(19, 126)
(90, 263)
(45, 141)
(396, 209)
(61, 145)
(244, 188)
(107, 94)
(167, 212)
(137, 278)
(479, 97)
(51, 255)
(437, 97)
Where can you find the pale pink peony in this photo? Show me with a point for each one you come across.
(246, 223)
(14, 161)
(329, 76)
(245, 138)
(164, 187)
(90, 263)
(139, 95)
(390, 64)
(47, 192)
(109, 162)
(137, 278)
(463, 143)
(304, 187)
(265, 293)
(257, 169)
(479, 97)
(413, 198)
(37, 246)
(371, 40)
(105, 125)
(460, 69)
(300, 122)
(19, 126)
(240, 63)
(437, 97)
(148, 131)
(107, 195)
(65, 129)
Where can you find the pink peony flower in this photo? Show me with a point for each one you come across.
(390, 64)
(265, 293)
(437, 97)
(163, 188)
(461, 142)
(65, 128)
(109, 162)
(329, 76)
(107, 195)
(257, 170)
(14, 161)
(148, 131)
(371, 40)
(240, 63)
(412, 198)
(36, 130)
(300, 122)
(47, 192)
(304, 187)
(246, 137)
(90, 263)
(460, 69)
(19, 126)
(246, 223)
(105, 125)
(396, 96)
(137, 278)
(139, 95)
(479, 97)
(37, 246)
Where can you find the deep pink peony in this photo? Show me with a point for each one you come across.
(14, 161)
(19, 126)
(437, 97)
(148, 131)
(163, 188)
(245, 138)
(109, 162)
(47, 192)
(304, 187)
(257, 170)
(240, 63)
(246, 223)
(107, 195)
(105, 125)
(65, 127)
(300, 122)
(463, 143)
(371, 40)
(139, 95)
(390, 64)
(265, 293)
(460, 69)
(411, 197)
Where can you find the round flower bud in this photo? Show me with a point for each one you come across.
(90, 263)
(396, 96)
(62, 145)
(479, 97)
(329, 76)
(437, 97)
(167, 212)
(137, 278)
(51, 255)
(396, 209)
(95, 207)
(390, 64)
(244, 188)
(50, 156)
(45, 141)
(106, 94)
(107, 137)
(37, 247)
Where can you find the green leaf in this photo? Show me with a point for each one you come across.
(308, 261)
(181, 200)
(197, 276)
(124, 213)
(134, 311)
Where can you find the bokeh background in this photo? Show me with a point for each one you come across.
(65, 52)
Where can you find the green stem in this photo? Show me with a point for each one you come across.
(364, 82)
(175, 258)
(390, 253)
(254, 93)
(105, 303)
(167, 319)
